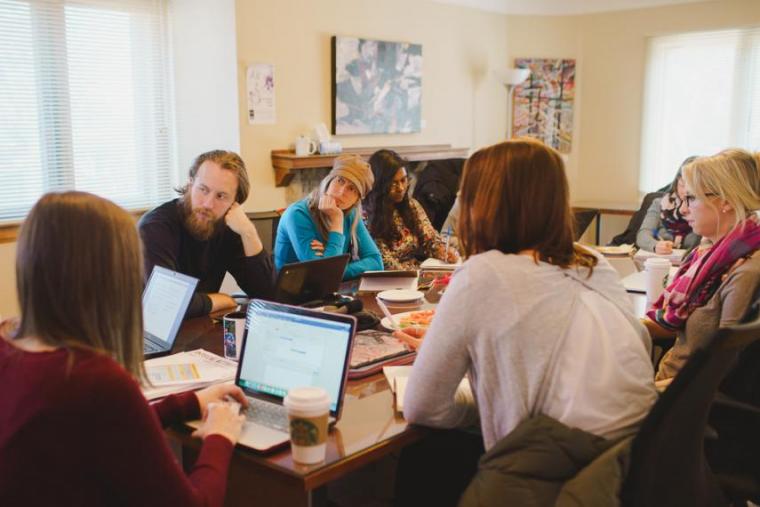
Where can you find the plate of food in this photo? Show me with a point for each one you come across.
(420, 318)
(400, 296)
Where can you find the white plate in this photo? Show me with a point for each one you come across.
(397, 317)
(400, 295)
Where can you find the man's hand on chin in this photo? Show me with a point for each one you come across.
(238, 221)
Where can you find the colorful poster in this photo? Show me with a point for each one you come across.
(260, 86)
(543, 104)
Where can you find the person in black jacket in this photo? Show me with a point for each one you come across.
(205, 233)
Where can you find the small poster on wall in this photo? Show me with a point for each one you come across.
(260, 86)
(543, 104)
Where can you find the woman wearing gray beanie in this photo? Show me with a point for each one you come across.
(329, 221)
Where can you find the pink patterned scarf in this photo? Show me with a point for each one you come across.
(701, 274)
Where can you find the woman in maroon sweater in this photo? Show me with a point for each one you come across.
(74, 426)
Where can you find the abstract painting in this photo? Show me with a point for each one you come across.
(543, 104)
(376, 86)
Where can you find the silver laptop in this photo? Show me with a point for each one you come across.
(165, 300)
(286, 347)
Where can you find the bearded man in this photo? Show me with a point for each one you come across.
(205, 233)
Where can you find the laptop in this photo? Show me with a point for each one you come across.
(165, 300)
(285, 347)
(302, 282)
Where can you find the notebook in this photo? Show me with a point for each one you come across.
(165, 300)
(286, 347)
(301, 282)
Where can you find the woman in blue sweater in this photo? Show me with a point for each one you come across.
(329, 221)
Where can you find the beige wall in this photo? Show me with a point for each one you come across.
(612, 75)
(461, 104)
(8, 304)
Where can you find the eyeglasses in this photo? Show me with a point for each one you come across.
(689, 199)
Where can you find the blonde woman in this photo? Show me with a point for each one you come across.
(74, 427)
(715, 284)
(329, 221)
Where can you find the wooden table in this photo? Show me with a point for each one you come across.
(368, 430)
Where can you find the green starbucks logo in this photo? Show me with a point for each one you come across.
(304, 432)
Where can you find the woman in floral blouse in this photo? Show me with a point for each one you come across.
(397, 222)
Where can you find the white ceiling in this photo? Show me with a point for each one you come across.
(559, 7)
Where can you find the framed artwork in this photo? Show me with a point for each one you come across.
(376, 86)
(543, 104)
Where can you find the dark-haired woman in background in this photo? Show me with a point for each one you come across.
(397, 222)
(664, 227)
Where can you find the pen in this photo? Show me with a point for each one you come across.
(384, 309)
(446, 249)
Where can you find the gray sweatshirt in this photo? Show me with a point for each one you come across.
(534, 338)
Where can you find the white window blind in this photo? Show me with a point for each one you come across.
(85, 102)
(702, 95)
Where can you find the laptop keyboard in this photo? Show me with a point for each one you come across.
(267, 414)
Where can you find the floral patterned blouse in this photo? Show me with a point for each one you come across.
(403, 253)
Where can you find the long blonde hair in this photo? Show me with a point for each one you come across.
(79, 277)
(732, 175)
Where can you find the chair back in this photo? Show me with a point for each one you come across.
(266, 224)
(668, 465)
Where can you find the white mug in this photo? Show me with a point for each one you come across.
(656, 277)
(305, 146)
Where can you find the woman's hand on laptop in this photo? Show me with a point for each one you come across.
(412, 336)
(219, 393)
(223, 419)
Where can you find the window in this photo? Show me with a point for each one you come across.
(85, 102)
(702, 95)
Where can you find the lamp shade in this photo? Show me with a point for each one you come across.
(512, 77)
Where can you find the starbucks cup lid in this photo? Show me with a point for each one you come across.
(307, 398)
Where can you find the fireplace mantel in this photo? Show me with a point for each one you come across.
(285, 162)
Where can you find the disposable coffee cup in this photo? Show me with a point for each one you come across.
(308, 411)
(234, 327)
(656, 270)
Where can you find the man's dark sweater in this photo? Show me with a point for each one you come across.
(167, 243)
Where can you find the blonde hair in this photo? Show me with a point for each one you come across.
(732, 175)
(79, 277)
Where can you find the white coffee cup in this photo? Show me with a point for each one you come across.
(308, 412)
(234, 327)
(656, 270)
(305, 146)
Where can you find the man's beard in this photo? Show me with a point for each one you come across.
(200, 227)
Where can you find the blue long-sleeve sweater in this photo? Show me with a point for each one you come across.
(297, 230)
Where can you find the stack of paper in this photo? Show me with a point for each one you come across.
(675, 257)
(398, 376)
(439, 265)
(186, 371)
(387, 280)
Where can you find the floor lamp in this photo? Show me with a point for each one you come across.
(511, 78)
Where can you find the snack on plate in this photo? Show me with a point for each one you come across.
(417, 319)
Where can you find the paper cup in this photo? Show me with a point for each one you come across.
(308, 412)
(657, 270)
(234, 327)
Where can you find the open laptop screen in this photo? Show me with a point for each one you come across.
(287, 347)
(165, 300)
